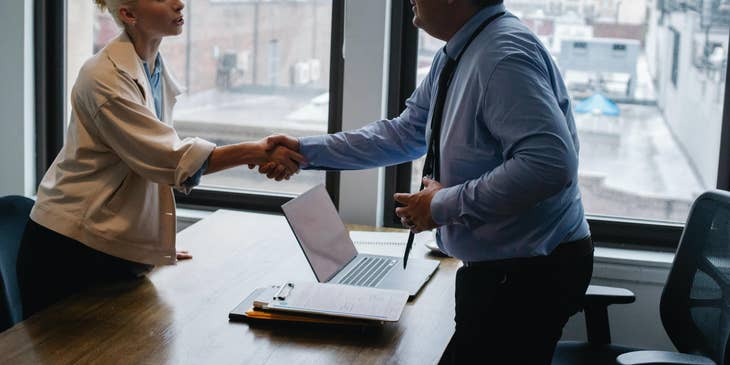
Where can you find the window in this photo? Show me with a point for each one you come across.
(675, 55)
(250, 68)
(641, 169)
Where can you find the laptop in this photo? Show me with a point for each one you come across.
(332, 254)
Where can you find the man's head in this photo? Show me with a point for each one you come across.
(442, 18)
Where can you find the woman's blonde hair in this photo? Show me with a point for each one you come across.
(112, 6)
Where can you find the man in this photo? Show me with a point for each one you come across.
(504, 196)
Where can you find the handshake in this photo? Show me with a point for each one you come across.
(279, 157)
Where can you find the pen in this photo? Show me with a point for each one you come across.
(409, 243)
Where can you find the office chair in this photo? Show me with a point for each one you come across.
(695, 302)
(14, 212)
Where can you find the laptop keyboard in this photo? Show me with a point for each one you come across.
(369, 271)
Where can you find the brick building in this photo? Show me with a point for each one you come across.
(246, 44)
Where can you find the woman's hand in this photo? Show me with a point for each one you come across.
(282, 160)
(183, 255)
(283, 163)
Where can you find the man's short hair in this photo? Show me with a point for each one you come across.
(485, 3)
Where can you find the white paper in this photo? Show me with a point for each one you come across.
(385, 243)
(343, 301)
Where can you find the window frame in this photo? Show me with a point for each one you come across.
(604, 230)
(49, 69)
(212, 198)
(50, 107)
(676, 45)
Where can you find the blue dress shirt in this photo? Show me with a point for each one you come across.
(156, 86)
(509, 147)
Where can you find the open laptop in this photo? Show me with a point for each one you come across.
(334, 258)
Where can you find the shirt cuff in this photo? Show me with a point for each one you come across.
(197, 153)
(445, 205)
(310, 147)
(194, 180)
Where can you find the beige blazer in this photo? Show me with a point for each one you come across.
(110, 186)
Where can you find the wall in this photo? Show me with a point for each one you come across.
(16, 98)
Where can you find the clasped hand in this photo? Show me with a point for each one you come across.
(415, 214)
(282, 157)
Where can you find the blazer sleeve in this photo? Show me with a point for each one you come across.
(148, 146)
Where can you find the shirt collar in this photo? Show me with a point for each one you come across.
(455, 45)
(156, 73)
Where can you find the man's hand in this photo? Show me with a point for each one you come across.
(283, 160)
(279, 143)
(416, 212)
(282, 140)
(283, 163)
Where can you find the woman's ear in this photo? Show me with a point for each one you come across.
(127, 15)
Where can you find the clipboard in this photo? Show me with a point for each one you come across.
(245, 312)
(322, 303)
(336, 300)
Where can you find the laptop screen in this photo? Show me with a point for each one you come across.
(320, 232)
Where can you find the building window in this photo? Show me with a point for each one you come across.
(675, 55)
(273, 62)
(647, 163)
(234, 58)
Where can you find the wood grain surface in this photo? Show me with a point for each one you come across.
(179, 314)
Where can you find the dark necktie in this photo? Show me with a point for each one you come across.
(431, 165)
(433, 154)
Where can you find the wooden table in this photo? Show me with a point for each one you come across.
(179, 314)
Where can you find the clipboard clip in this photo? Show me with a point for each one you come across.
(288, 287)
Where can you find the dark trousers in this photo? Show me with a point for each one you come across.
(51, 267)
(513, 311)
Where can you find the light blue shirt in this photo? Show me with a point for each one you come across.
(509, 147)
(156, 86)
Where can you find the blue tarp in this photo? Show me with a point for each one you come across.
(598, 104)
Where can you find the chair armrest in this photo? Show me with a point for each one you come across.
(606, 295)
(661, 358)
(595, 305)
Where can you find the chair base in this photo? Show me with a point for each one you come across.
(579, 353)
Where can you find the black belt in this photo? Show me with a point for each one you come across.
(571, 249)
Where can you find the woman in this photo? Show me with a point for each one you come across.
(105, 208)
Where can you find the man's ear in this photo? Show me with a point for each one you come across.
(127, 15)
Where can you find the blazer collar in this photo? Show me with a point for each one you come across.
(122, 54)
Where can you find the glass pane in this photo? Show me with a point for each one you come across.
(663, 66)
(250, 68)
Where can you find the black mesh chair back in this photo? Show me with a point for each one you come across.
(14, 212)
(695, 303)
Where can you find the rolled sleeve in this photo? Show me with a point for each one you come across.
(149, 147)
(194, 180)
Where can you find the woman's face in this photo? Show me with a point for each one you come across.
(158, 18)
